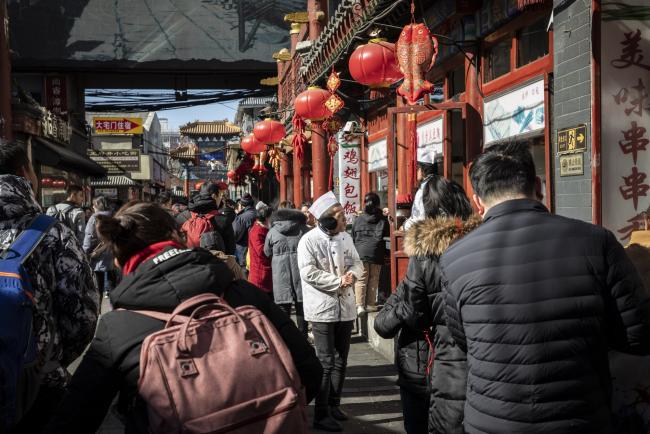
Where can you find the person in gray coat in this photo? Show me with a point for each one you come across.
(100, 260)
(287, 227)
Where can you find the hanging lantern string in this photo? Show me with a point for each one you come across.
(412, 11)
(332, 149)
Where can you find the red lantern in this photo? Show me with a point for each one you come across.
(269, 131)
(310, 104)
(198, 185)
(231, 175)
(251, 145)
(375, 64)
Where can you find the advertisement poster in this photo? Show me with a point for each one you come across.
(625, 125)
(430, 138)
(517, 112)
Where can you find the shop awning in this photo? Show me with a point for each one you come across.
(114, 181)
(46, 152)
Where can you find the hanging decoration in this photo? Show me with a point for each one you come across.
(332, 126)
(334, 103)
(251, 145)
(417, 50)
(232, 177)
(299, 140)
(259, 169)
(310, 104)
(374, 64)
(275, 158)
(269, 131)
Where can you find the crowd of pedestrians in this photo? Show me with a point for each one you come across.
(502, 323)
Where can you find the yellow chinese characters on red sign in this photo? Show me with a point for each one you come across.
(117, 125)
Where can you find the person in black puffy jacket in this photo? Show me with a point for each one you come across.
(368, 233)
(411, 358)
(537, 300)
(158, 274)
(447, 217)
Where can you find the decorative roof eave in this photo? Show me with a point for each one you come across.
(349, 18)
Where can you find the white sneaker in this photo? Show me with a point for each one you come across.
(361, 310)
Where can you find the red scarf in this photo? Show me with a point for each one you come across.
(146, 254)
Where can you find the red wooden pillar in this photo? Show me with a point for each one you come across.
(284, 173)
(403, 186)
(320, 158)
(473, 116)
(297, 165)
(5, 75)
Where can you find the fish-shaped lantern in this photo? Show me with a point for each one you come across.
(416, 54)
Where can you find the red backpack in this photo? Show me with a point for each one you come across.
(197, 225)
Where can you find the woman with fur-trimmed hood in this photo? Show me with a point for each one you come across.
(449, 217)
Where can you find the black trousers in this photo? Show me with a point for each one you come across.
(42, 411)
(332, 341)
(415, 409)
(300, 316)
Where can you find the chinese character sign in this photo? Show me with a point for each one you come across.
(114, 125)
(56, 95)
(349, 178)
(625, 127)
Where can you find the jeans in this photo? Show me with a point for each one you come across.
(366, 287)
(105, 280)
(300, 316)
(415, 408)
(332, 341)
(240, 254)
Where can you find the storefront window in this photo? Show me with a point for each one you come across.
(497, 60)
(456, 82)
(532, 43)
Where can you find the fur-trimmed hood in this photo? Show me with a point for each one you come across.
(433, 236)
(287, 214)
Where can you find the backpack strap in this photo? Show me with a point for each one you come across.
(29, 238)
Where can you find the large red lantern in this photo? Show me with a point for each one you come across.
(310, 104)
(375, 64)
(269, 131)
(251, 145)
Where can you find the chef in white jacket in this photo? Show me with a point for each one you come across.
(329, 266)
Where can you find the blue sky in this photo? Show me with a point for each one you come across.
(209, 112)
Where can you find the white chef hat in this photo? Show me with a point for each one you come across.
(322, 204)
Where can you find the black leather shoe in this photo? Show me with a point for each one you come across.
(338, 414)
(328, 424)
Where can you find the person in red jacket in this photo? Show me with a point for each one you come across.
(260, 273)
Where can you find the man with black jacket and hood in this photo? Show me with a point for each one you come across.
(537, 300)
(242, 225)
(208, 201)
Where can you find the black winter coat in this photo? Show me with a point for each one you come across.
(424, 242)
(537, 300)
(411, 348)
(368, 233)
(203, 204)
(243, 224)
(111, 364)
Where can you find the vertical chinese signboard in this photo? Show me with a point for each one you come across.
(56, 96)
(625, 132)
(349, 175)
(625, 75)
